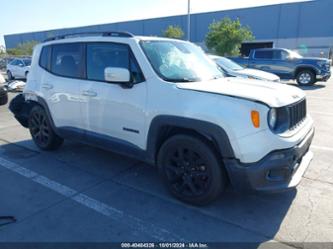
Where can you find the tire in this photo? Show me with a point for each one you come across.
(10, 75)
(3, 99)
(26, 75)
(41, 130)
(306, 78)
(191, 170)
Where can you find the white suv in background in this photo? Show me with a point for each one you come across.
(165, 102)
(18, 68)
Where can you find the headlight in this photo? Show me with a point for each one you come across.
(278, 119)
(272, 118)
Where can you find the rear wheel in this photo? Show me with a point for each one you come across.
(41, 130)
(306, 78)
(191, 169)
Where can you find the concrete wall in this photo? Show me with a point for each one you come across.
(307, 25)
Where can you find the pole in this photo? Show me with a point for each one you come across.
(188, 20)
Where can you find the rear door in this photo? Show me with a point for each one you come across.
(60, 85)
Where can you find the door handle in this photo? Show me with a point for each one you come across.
(47, 86)
(89, 94)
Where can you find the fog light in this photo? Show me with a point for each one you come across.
(280, 174)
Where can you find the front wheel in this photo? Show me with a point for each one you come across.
(306, 78)
(41, 130)
(191, 169)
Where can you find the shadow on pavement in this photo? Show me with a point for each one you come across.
(227, 219)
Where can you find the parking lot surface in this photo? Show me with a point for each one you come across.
(84, 194)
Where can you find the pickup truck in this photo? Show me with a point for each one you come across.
(287, 64)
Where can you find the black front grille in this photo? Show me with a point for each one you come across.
(297, 113)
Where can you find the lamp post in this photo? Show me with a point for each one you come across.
(188, 20)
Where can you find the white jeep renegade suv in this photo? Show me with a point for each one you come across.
(165, 102)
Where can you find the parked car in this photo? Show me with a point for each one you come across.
(232, 69)
(18, 68)
(288, 65)
(163, 101)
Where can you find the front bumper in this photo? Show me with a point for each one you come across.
(324, 77)
(279, 170)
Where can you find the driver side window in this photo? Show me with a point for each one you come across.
(103, 55)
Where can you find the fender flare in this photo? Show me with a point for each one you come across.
(305, 67)
(205, 128)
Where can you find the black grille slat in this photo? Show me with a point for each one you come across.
(297, 113)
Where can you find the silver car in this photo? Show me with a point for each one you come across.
(233, 69)
(18, 68)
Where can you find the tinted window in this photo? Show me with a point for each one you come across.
(14, 62)
(264, 54)
(67, 60)
(103, 55)
(45, 57)
(20, 63)
(27, 62)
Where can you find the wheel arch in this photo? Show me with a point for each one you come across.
(305, 67)
(165, 126)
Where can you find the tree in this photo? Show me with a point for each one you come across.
(23, 49)
(173, 32)
(2, 51)
(226, 36)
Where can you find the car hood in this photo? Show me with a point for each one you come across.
(270, 93)
(259, 74)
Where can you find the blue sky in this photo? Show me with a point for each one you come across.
(24, 16)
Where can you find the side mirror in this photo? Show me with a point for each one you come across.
(117, 75)
(21, 65)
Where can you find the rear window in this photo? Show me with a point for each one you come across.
(67, 60)
(45, 57)
(264, 54)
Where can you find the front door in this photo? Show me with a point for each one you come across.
(112, 111)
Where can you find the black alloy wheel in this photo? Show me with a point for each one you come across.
(191, 169)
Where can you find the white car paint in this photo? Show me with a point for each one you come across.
(106, 108)
(2, 79)
(18, 68)
(259, 74)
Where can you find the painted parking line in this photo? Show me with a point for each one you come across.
(115, 214)
(319, 98)
(322, 113)
(322, 148)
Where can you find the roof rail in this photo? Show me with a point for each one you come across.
(107, 33)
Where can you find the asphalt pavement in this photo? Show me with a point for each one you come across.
(84, 194)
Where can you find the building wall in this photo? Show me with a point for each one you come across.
(305, 25)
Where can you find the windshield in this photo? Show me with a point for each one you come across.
(293, 54)
(27, 62)
(177, 61)
(228, 64)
